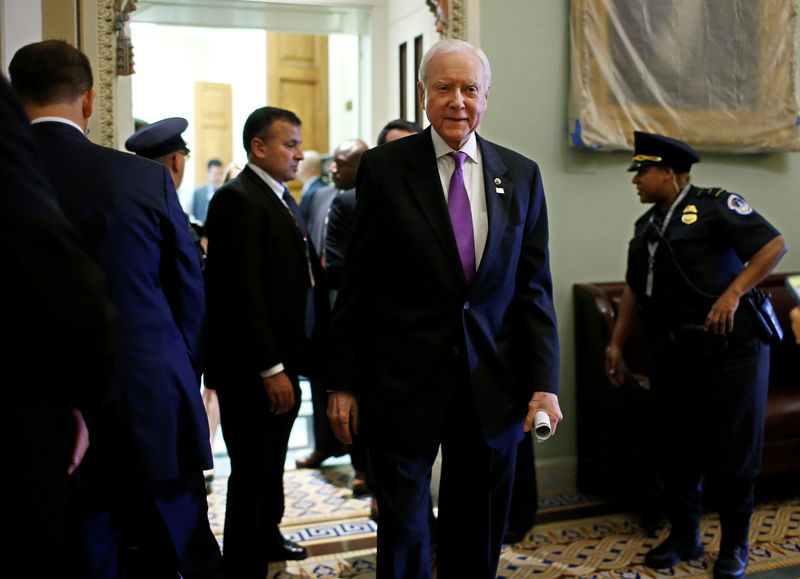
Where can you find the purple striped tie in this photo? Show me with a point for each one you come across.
(461, 216)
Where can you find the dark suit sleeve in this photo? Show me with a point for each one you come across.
(337, 237)
(536, 331)
(183, 279)
(60, 323)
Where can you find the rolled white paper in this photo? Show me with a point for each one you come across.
(541, 425)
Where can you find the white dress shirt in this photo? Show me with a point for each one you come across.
(473, 181)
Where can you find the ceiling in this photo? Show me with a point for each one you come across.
(308, 16)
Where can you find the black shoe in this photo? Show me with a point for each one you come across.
(731, 562)
(286, 550)
(514, 534)
(673, 550)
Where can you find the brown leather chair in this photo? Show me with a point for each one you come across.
(616, 458)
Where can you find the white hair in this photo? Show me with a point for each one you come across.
(449, 45)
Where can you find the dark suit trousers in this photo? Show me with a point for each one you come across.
(474, 497)
(257, 440)
(143, 530)
(709, 410)
(525, 495)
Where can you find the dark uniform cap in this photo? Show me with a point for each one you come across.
(650, 149)
(159, 138)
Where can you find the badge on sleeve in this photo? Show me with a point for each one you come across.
(739, 205)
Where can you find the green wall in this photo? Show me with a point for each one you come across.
(591, 201)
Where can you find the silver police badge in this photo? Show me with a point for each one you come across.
(739, 205)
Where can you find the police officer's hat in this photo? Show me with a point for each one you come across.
(650, 149)
(159, 138)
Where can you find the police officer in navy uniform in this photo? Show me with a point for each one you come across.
(694, 256)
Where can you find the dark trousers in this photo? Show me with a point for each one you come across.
(524, 494)
(474, 496)
(709, 397)
(257, 441)
(136, 529)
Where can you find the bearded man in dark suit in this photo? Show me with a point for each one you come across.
(266, 296)
(444, 329)
(144, 468)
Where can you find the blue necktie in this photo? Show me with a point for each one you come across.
(461, 216)
(292, 205)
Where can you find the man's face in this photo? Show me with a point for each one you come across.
(277, 151)
(344, 168)
(454, 96)
(215, 175)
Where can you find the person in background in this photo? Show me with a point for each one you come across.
(231, 172)
(162, 142)
(310, 173)
(344, 167)
(695, 256)
(49, 282)
(267, 303)
(343, 207)
(139, 500)
(397, 129)
(204, 193)
(444, 329)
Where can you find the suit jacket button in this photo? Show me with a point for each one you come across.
(466, 305)
(456, 351)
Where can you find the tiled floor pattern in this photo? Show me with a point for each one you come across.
(322, 515)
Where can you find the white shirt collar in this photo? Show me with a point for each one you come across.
(274, 184)
(441, 148)
(38, 120)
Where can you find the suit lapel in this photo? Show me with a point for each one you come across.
(277, 207)
(499, 191)
(422, 177)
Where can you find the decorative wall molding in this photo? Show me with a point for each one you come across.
(105, 73)
(451, 17)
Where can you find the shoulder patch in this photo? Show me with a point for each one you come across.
(739, 205)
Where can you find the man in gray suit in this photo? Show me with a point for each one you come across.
(204, 193)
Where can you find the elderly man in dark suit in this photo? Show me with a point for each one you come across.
(444, 329)
(144, 467)
(49, 377)
(262, 276)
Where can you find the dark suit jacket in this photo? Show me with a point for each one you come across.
(128, 213)
(257, 281)
(56, 349)
(340, 228)
(404, 308)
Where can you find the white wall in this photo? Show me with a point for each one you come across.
(344, 96)
(169, 59)
(20, 24)
(406, 20)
